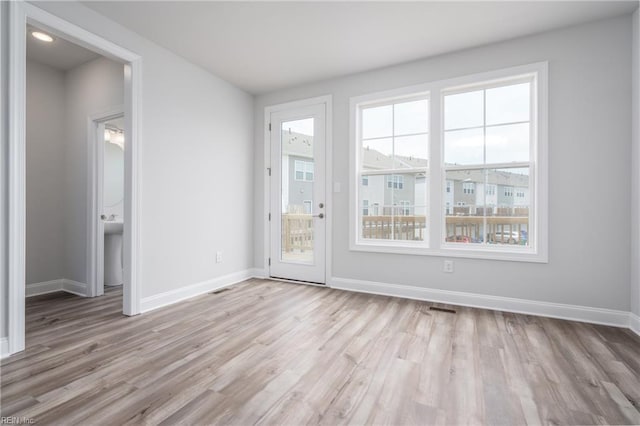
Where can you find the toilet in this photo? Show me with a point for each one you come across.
(113, 253)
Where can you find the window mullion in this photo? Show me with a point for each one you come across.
(393, 180)
(435, 184)
(484, 161)
(393, 171)
(513, 165)
(501, 188)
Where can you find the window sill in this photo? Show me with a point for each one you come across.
(448, 250)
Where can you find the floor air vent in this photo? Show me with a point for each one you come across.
(435, 308)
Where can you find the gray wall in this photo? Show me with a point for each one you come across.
(635, 178)
(590, 130)
(196, 175)
(58, 104)
(45, 164)
(196, 139)
(91, 88)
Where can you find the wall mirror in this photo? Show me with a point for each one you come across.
(113, 193)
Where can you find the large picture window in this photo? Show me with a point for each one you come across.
(487, 145)
(458, 167)
(393, 166)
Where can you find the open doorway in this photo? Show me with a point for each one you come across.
(69, 169)
(107, 229)
(38, 210)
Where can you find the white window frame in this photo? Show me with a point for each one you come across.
(408, 94)
(434, 244)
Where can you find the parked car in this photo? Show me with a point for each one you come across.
(512, 237)
(458, 239)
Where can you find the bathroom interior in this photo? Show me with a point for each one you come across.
(67, 85)
(112, 215)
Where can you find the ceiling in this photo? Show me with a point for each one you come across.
(266, 46)
(60, 54)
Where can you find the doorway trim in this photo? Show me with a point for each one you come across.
(95, 197)
(21, 14)
(327, 100)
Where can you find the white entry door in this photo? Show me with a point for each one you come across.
(298, 203)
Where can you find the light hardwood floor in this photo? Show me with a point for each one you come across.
(275, 353)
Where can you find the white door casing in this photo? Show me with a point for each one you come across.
(297, 181)
(95, 231)
(21, 13)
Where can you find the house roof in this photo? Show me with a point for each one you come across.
(301, 145)
(375, 160)
(297, 144)
(500, 177)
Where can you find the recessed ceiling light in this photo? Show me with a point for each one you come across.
(42, 36)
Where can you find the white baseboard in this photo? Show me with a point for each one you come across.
(45, 287)
(75, 287)
(634, 323)
(170, 297)
(61, 284)
(259, 273)
(522, 306)
(499, 303)
(4, 347)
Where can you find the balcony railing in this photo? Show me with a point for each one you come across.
(500, 229)
(297, 229)
(394, 227)
(297, 232)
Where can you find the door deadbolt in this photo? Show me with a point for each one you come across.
(321, 205)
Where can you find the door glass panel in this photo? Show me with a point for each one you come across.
(297, 178)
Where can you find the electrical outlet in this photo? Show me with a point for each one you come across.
(218, 256)
(447, 266)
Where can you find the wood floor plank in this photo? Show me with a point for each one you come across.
(271, 353)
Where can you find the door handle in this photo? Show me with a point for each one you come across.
(103, 216)
(321, 215)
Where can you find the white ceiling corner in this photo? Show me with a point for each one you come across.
(266, 46)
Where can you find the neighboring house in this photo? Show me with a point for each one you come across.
(297, 172)
(503, 190)
(402, 194)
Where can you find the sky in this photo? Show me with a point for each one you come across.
(304, 126)
(404, 126)
(464, 144)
